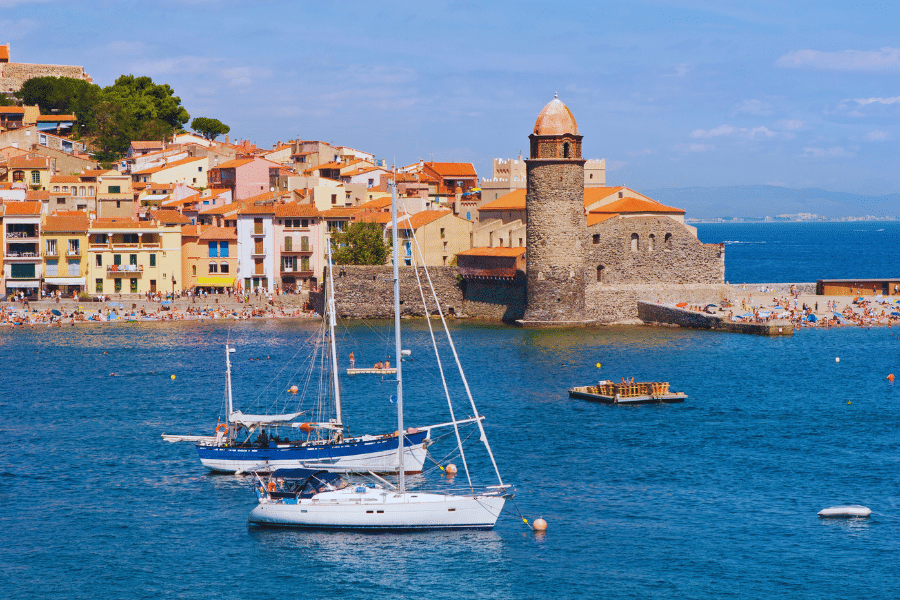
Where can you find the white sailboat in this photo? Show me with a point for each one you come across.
(319, 500)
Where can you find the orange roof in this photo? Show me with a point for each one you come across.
(146, 145)
(170, 165)
(12, 110)
(382, 217)
(636, 205)
(170, 217)
(594, 218)
(65, 179)
(219, 233)
(190, 231)
(597, 194)
(377, 203)
(4, 53)
(465, 170)
(423, 218)
(37, 194)
(55, 118)
(340, 212)
(22, 209)
(555, 119)
(232, 164)
(497, 251)
(97, 172)
(60, 223)
(328, 165)
(515, 200)
(29, 162)
(113, 223)
(296, 210)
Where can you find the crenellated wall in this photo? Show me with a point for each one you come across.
(13, 75)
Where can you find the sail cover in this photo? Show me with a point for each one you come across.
(249, 420)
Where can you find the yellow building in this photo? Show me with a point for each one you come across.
(115, 199)
(440, 235)
(64, 240)
(133, 257)
(33, 171)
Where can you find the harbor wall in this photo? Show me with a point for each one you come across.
(662, 314)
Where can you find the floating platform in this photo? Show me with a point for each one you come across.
(649, 392)
(853, 510)
(391, 371)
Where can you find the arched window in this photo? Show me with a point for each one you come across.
(566, 150)
(651, 242)
(635, 242)
(223, 268)
(213, 267)
(600, 273)
(667, 242)
(81, 191)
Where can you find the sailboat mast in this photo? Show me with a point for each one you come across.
(397, 354)
(228, 351)
(334, 363)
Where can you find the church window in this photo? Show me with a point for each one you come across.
(635, 242)
(596, 238)
(651, 242)
(600, 273)
(667, 242)
(566, 150)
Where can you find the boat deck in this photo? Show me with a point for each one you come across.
(370, 371)
(595, 394)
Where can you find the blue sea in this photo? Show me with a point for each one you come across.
(806, 252)
(713, 498)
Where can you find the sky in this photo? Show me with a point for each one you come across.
(672, 94)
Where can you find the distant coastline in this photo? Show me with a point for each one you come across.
(799, 218)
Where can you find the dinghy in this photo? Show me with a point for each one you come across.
(852, 510)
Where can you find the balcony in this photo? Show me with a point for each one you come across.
(21, 235)
(52, 253)
(24, 256)
(300, 274)
(124, 270)
(73, 253)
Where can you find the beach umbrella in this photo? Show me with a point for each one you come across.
(812, 318)
(764, 314)
(56, 312)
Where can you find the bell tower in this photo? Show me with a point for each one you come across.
(556, 227)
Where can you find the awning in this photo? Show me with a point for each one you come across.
(64, 280)
(216, 281)
(22, 284)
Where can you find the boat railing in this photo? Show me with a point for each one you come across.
(633, 389)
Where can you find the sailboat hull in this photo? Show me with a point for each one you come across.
(391, 512)
(378, 455)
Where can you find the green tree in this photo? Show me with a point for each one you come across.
(147, 101)
(209, 128)
(360, 244)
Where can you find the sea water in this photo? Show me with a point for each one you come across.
(713, 498)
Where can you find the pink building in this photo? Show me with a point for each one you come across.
(245, 177)
(298, 242)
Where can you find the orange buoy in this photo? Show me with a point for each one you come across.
(306, 427)
(890, 377)
(450, 469)
(294, 389)
(539, 524)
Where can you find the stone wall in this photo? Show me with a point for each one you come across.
(671, 315)
(13, 75)
(666, 252)
(742, 290)
(618, 303)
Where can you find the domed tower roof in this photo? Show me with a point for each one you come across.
(555, 119)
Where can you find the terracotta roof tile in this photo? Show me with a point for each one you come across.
(65, 179)
(498, 251)
(170, 165)
(170, 217)
(293, 209)
(514, 200)
(112, 223)
(233, 164)
(382, 217)
(55, 118)
(60, 223)
(636, 205)
(38, 195)
(29, 162)
(463, 170)
(219, 233)
(340, 212)
(594, 218)
(224, 209)
(146, 145)
(422, 218)
(12, 110)
(22, 209)
(190, 231)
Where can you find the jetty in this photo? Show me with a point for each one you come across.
(666, 314)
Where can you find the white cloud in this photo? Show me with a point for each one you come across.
(754, 107)
(716, 132)
(179, 64)
(694, 147)
(833, 152)
(789, 124)
(643, 152)
(683, 69)
(761, 131)
(886, 59)
(878, 136)
(864, 101)
(244, 76)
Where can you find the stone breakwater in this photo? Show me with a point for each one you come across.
(661, 314)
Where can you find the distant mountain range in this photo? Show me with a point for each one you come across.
(759, 201)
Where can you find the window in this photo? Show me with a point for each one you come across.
(51, 248)
(288, 243)
(152, 285)
(74, 267)
(99, 260)
(130, 238)
(22, 271)
(194, 270)
(257, 226)
(667, 242)
(258, 247)
(90, 190)
(304, 223)
(304, 263)
(36, 177)
(566, 150)
(600, 274)
(442, 233)
(115, 189)
(288, 263)
(223, 249)
(132, 259)
(117, 259)
(133, 286)
(153, 260)
(117, 285)
(213, 267)
(18, 175)
(223, 267)
(60, 200)
(101, 238)
(98, 285)
(52, 268)
(304, 244)
(334, 198)
(258, 267)
(199, 170)
(118, 204)
(651, 242)
(213, 250)
(635, 242)
(55, 188)
(74, 248)
(596, 238)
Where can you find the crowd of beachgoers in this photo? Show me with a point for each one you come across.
(805, 310)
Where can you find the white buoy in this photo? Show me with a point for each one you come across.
(852, 510)
(450, 469)
(837, 359)
(539, 524)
